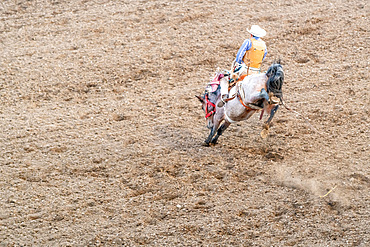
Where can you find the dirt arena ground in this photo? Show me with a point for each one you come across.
(101, 141)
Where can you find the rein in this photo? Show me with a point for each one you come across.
(208, 114)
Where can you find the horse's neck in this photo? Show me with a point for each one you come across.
(218, 92)
(215, 95)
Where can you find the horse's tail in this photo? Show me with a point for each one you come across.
(275, 80)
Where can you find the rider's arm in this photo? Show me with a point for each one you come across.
(264, 54)
(242, 50)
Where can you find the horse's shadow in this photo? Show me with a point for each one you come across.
(176, 138)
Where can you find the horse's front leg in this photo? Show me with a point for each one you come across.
(221, 130)
(211, 134)
(216, 124)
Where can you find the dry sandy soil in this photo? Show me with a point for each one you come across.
(101, 141)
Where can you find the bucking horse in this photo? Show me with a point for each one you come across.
(254, 93)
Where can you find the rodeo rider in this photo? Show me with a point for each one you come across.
(248, 59)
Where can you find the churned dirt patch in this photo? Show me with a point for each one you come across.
(101, 140)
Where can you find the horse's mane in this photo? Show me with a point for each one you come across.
(275, 79)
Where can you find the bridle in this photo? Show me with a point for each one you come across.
(209, 103)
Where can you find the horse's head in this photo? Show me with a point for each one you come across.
(275, 80)
(208, 101)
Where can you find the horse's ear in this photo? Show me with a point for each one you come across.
(200, 98)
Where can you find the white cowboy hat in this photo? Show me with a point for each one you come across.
(256, 31)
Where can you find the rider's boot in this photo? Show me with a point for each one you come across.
(224, 83)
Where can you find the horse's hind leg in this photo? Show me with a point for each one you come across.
(220, 131)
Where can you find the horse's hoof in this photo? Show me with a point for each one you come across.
(274, 100)
(206, 144)
(264, 133)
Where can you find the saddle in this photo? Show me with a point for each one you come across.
(213, 85)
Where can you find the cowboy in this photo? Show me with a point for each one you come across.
(248, 59)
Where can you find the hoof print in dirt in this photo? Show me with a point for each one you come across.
(274, 156)
(119, 117)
